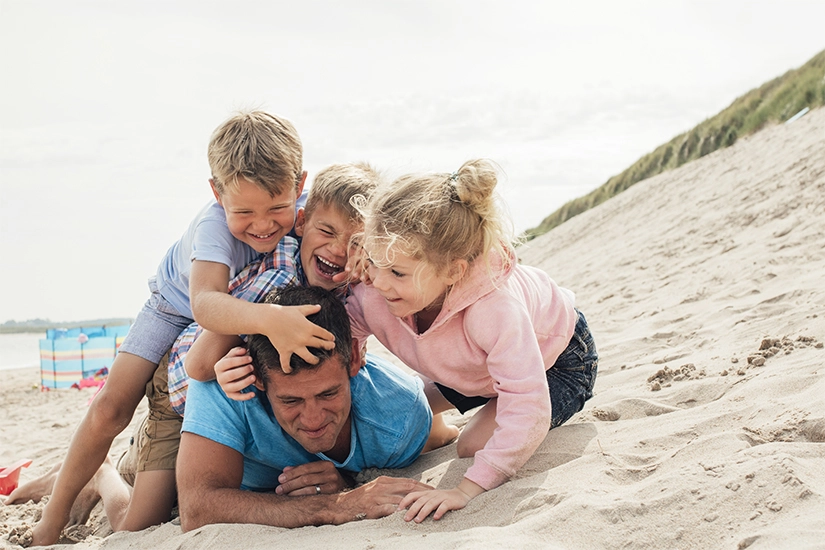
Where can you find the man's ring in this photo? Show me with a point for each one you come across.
(317, 489)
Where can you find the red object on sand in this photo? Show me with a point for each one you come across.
(10, 475)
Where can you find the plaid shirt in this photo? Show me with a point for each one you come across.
(274, 270)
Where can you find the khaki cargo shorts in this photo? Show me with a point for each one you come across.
(156, 439)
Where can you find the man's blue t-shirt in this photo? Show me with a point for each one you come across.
(390, 420)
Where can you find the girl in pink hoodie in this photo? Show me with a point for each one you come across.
(445, 293)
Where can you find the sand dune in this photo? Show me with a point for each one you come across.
(704, 289)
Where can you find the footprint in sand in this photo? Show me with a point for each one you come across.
(631, 408)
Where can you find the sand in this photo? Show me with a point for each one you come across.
(704, 289)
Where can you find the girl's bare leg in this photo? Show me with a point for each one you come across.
(478, 431)
(441, 433)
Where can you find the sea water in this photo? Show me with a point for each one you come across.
(20, 350)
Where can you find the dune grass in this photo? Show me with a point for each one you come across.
(773, 102)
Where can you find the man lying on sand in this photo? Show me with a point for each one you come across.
(280, 458)
(313, 422)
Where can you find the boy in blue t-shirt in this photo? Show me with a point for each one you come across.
(257, 175)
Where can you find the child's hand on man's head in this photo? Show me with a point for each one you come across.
(291, 332)
(234, 373)
(356, 269)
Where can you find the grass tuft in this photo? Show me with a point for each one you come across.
(774, 102)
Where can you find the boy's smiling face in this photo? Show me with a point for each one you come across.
(325, 236)
(257, 218)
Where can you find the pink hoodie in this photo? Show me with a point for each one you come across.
(495, 336)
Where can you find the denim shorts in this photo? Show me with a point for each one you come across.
(570, 380)
(155, 329)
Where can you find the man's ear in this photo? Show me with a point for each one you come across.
(300, 222)
(259, 384)
(215, 191)
(457, 271)
(356, 358)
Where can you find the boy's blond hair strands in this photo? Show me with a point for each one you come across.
(336, 185)
(259, 147)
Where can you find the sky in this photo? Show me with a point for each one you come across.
(106, 108)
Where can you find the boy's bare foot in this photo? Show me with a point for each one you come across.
(36, 489)
(48, 530)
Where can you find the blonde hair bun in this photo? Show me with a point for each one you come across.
(442, 217)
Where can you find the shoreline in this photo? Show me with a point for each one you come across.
(24, 367)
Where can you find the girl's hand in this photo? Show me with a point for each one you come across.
(438, 502)
(312, 478)
(234, 373)
(356, 266)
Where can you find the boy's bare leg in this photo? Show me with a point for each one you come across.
(35, 489)
(109, 413)
(114, 492)
(152, 501)
(38, 488)
(441, 433)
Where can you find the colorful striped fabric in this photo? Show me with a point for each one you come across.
(67, 356)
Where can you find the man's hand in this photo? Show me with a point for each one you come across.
(234, 373)
(376, 499)
(302, 480)
(290, 332)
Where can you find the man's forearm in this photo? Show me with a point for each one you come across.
(376, 499)
(238, 506)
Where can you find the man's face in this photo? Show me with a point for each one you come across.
(312, 405)
(325, 236)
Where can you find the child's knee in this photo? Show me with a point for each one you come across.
(465, 447)
(109, 414)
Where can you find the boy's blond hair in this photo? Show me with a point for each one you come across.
(256, 146)
(336, 185)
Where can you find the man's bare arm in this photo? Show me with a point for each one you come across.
(209, 477)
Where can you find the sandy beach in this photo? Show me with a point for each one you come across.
(704, 289)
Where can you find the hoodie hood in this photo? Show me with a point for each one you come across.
(482, 278)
